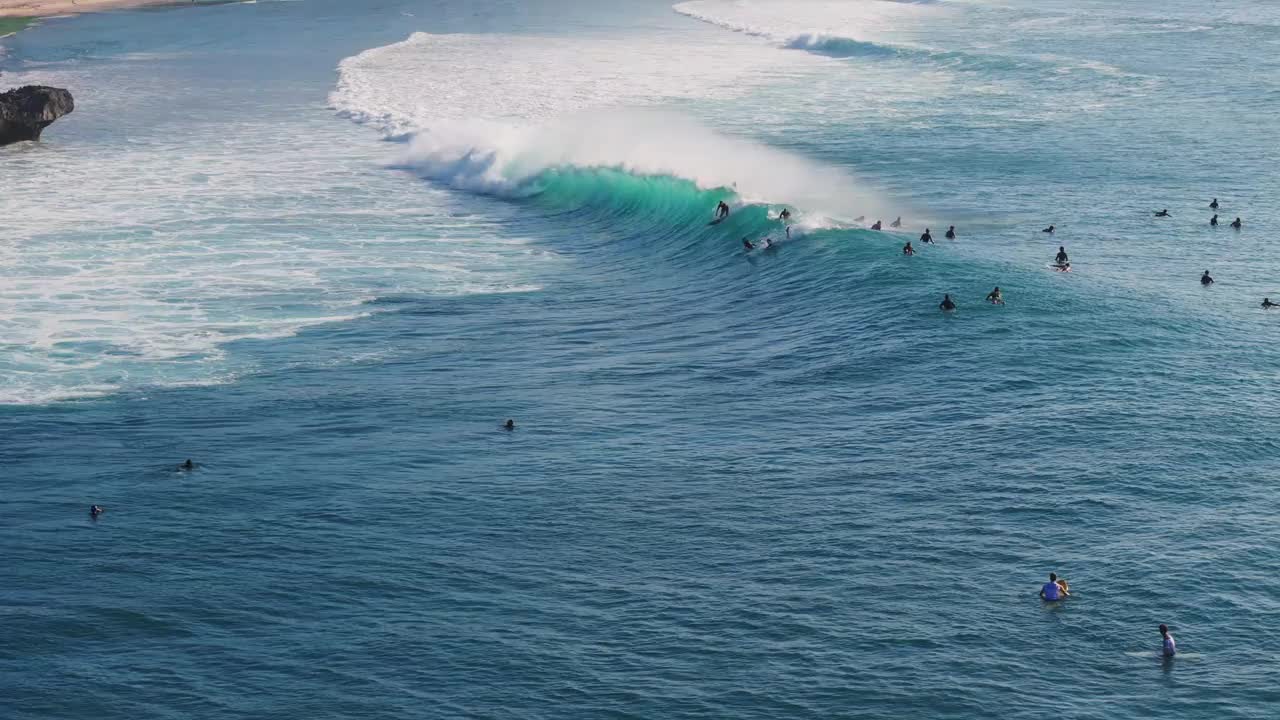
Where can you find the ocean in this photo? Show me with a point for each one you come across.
(325, 249)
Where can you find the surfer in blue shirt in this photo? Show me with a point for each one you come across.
(1052, 591)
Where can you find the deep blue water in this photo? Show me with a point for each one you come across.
(769, 485)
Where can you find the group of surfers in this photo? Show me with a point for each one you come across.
(1061, 262)
(1057, 589)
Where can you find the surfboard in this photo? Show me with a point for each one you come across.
(1061, 268)
(717, 221)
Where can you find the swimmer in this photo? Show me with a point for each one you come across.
(877, 226)
(509, 424)
(1236, 224)
(951, 233)
(908, 250)
(188, 465)
(1267, 304)
(896, 223)
(747, 244)
(925, 237)
(1051, 591)
(1214, 205)
(1213, 221)
(1048, 230)
(946, 305)
(785, 214)
(1061, 258)
(1205, 279)
(96, 510)
(995, 297)
(1168, 647)
(722, 210)
(1163, 213)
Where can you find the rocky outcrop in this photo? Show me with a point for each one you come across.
(27, 111)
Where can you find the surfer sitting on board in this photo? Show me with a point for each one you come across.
(994, 297)
(877, 226)
(1168, 647)
(1052, 591)
(1214, 205)
(1236, 223)
(722, 210)
(946, 305)
(908, 250)
(1061, 258)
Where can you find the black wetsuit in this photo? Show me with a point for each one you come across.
(951, 234)
(1061, 258)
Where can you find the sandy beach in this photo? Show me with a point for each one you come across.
(44, 8)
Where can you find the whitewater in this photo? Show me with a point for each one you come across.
(326, 249)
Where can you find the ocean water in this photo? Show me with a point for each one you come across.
(325, 248)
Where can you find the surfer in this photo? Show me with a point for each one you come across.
(509, 424)
(1048, 230)
(1267, 304)
(860, 218)
(1213, 221)
(896, 223)
(768, 244)
(187, 466)
(784, 215)
(1214, 205)
(96, 510)
(946, 305)
(1061, 258)
(722, 210)
(951, 233)
(995, 297)
(1236, 224)
(1205, 279)
(1168, 647)
(907, 249)
(747, 245)
(1052, 591)
(1163, 213)
(926, 238)
(877, 226)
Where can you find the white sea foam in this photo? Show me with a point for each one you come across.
(134, 258)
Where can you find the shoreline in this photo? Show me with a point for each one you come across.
(32, 10)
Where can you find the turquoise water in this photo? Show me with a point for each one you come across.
(325, 249)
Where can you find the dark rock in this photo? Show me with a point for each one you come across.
(27, 111)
